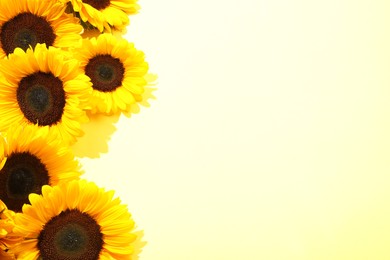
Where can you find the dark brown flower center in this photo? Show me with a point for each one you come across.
(25, 30)
(22, 174)
(106, 72)
(71, 235)
(98, 4)
(41, 98)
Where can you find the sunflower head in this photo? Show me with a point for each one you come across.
(7, 239)
(117, 71)
(105, 15)
(79, 221)
(31, 159)
(25, 23)
(44, 88)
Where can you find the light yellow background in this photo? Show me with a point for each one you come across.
(270, 135)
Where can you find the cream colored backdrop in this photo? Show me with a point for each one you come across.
(270, 135)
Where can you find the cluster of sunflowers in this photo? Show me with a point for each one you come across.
(61, 63)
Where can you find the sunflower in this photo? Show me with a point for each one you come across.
(104, 14)
(6, 226)
(25, 23)
(77, 220)
(30, 160)
(43, 88)
(117, 72)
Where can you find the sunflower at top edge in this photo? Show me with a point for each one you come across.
(26, 23)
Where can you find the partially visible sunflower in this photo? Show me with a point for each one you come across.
(25, 23)
(104, 14)
(117, 71)
(74, 221)
(43, 88)
(6, 237)
(31, 159)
